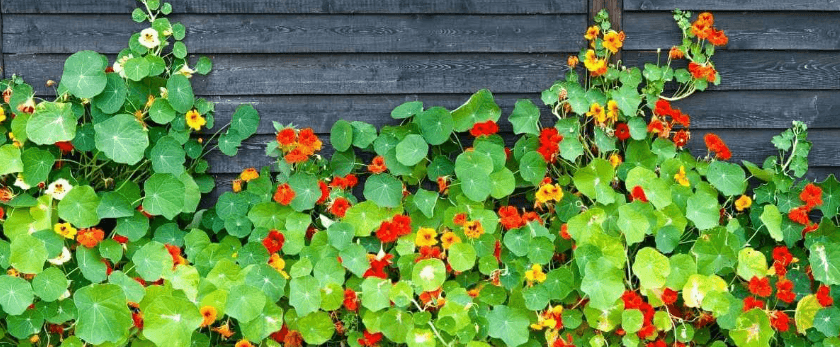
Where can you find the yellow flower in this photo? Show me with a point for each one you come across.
(249, 174)
(208, 314)
(65, 229)
(473, 229)
(744, 202)
(612, 110)
(426, 237)
(150, 100)
(681, 178)
(595, 65)
(2, 114)
(243, 343)
(535, 274)
(278, 264)
(448, 239)
(236, 185)
(615, 160)
(195, 120)
(549, 192)
(592, 33)
(186, 71)
(149, 38)
(597, 111)
(613, 41)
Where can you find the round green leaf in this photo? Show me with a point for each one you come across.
(429, 274)
(161, 112)
(316, 328)
(103, 314)
(52, 122)
(752, 329)
(461, 256)
(475, 163)
(37, 164)
(728, 178)
(164, 195)
(50, 284)
(412, 149)
(170, 321)
(10, 160)
(168, 156)
(245, 302)
(136, 69)
(436, 125)
(15, 294)
(525, 117)
(376, 293)
(84, 74)
(651, 267)
(152, 261)
(502, 183)
(28, 254)
(122, 138)
(181, 96)
(245, 121)
(305, 294)
(407, 109)
(341, 135)
(509, 324)
(307, 191)
(79, 207)
(532, 167)
(384, 190)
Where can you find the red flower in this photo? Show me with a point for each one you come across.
(782, 255)
(351, 301)
(427, 252)
(784, 290)
(121, 239)
(631, 300)
(459, 219)
(622, 131)
(497, 251)
(564, 232)
(274, 241)
(509, 217)
(549, 144)
(386, 232)
(780, 321)
(751, 303)
(284, 194)
(647, 331)
(669, 296)
(760, 286)
(296, 155)
(443, 184)
(377, 266)
(339, 207)
(286, 137)
(717, 146)
(799, 215)
(325, 192)
(532, 216)
(681, 138)
(811, 195)
(824, 295)
(65, 146)
(638, 194)
(88, 237)
(377, 165)
(718, 38)
(484, 129)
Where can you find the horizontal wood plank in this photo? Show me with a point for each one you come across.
(304, 6)
(257, 74)
(729, 5)
(746, 144)
(750, 70)
(746, 30)
(26, 33)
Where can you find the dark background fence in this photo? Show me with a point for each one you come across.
(311, 62)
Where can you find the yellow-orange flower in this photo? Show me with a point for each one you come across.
(278, 264)
(426, 237)
(597, 111)
(2, 114)
(243, 343)
(612, 111)
(681, 178)
(595, 66)
(615, 160)
(65, 230)
(592, 33)
(549, 192)
(195, 120)
(236, 185)
(208, 315)
(743, 203)
(473, 229)
(224, 330)
(249, 174)
(535, 274)
(448, 239)
(572, 61)
(613, 41)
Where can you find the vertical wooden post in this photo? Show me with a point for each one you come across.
(615, 9)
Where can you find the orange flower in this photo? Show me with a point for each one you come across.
(811, 195)
(707, 18)
(6, 195)
(243, 343)
(297, 155)
(286, 137)
(236, 185)
(596, 67)
(249, 174)
(701, 29)
(90, 237)
(592, 33)
(224, 330)
(717, 146)
(339, 207)
(613, 41)
(377, 165)
(208, 314)
(760, 286)
(572, 61)
(309, 140)
(459, 219)
(676, 53)
(443, 184)
(718, 38)
(284, 194)
(175, 252)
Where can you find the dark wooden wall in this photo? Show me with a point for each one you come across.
(311, 62)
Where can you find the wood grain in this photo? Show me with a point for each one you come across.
(746, 30)
(257, 74)
(27, 33)
(729, 5)
(304, 6)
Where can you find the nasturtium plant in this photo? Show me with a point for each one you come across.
(599, 228)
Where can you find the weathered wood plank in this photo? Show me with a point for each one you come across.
(746, 144)
(749, 70)
(257, 74)
(746, 30)
(708, 110)
(26, 33)
(304, 6)
(729, 5)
